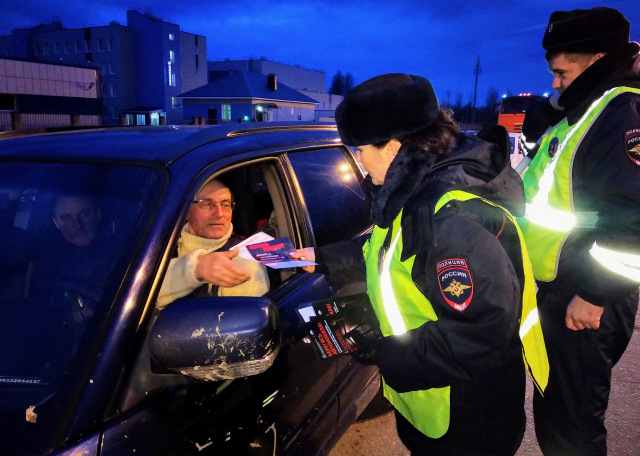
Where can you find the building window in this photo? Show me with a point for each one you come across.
(112, 44)
(141, 119)
(57, 48)
(112, 68)
(103, 90)
(78, 46)
(87, 45)
(171, 37)
(45, 49)
(226, 112)
(115, 113)
(100, 44)
(67, 47)
(196, 40)
(172, 56)
(36, 49)
(130, 119)
(171, 76)
(197, 61)
(114, 92)
(102, 67)
(173, 102)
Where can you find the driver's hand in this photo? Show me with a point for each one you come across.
(305, 254)
(217, 268)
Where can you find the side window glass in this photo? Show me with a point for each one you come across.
(337, 205)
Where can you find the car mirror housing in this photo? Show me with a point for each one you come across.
(217, 338)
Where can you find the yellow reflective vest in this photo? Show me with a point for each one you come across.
(550, 214)
(400, 306)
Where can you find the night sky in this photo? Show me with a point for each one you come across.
(441, 41)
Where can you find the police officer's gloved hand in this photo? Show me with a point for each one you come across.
(366, 338)
(539, 118)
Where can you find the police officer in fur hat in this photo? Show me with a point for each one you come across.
(446, 271)
(582, 224)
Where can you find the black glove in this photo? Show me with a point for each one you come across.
(365, 339)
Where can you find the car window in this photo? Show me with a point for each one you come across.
(245, 208)
(68, 232)
(335, 200)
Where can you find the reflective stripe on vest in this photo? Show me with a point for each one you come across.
(388, 298)
(550, 213)
(401, 306)
(625, 264)
(533, 347)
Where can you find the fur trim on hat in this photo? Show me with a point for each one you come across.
(591, 31)
(386, 107)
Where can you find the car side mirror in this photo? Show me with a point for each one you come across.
(217, 338)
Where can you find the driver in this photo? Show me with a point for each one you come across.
(79, 255)
(206, 265)
(72, 266)
(77, 218)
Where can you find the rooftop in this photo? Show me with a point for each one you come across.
(247, 85)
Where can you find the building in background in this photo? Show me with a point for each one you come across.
(294, 76)
(143, 65)
(310, 83)
(247, 97)
(36, 94)
(326, 105)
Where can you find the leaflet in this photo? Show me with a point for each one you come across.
(330, 322)
(255, 239)
(275, 253)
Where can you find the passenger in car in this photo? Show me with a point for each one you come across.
(205, 264)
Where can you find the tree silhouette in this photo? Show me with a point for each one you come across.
(349, 82)
(341, 84)
(337, 84)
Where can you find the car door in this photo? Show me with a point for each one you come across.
(330, 183)
(292, 408)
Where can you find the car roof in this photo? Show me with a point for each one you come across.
(163, 144)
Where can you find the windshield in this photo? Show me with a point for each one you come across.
(68, 232)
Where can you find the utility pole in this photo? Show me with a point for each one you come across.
(477, 71)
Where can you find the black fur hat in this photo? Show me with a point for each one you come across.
(386, 107)
(599, 29)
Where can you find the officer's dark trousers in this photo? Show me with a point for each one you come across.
(569, 420)
(487, 416)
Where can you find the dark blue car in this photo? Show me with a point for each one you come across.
(89, 366)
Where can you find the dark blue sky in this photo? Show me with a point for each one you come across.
(440, 41)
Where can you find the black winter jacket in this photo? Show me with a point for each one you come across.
(477, 350)
(604, 180)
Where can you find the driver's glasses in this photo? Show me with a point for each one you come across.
(209, 205)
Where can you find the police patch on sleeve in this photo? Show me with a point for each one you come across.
(455, 283)
(632, 145)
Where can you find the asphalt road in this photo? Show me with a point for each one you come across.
(374, 433)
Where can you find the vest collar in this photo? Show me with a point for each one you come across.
(416, 180)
